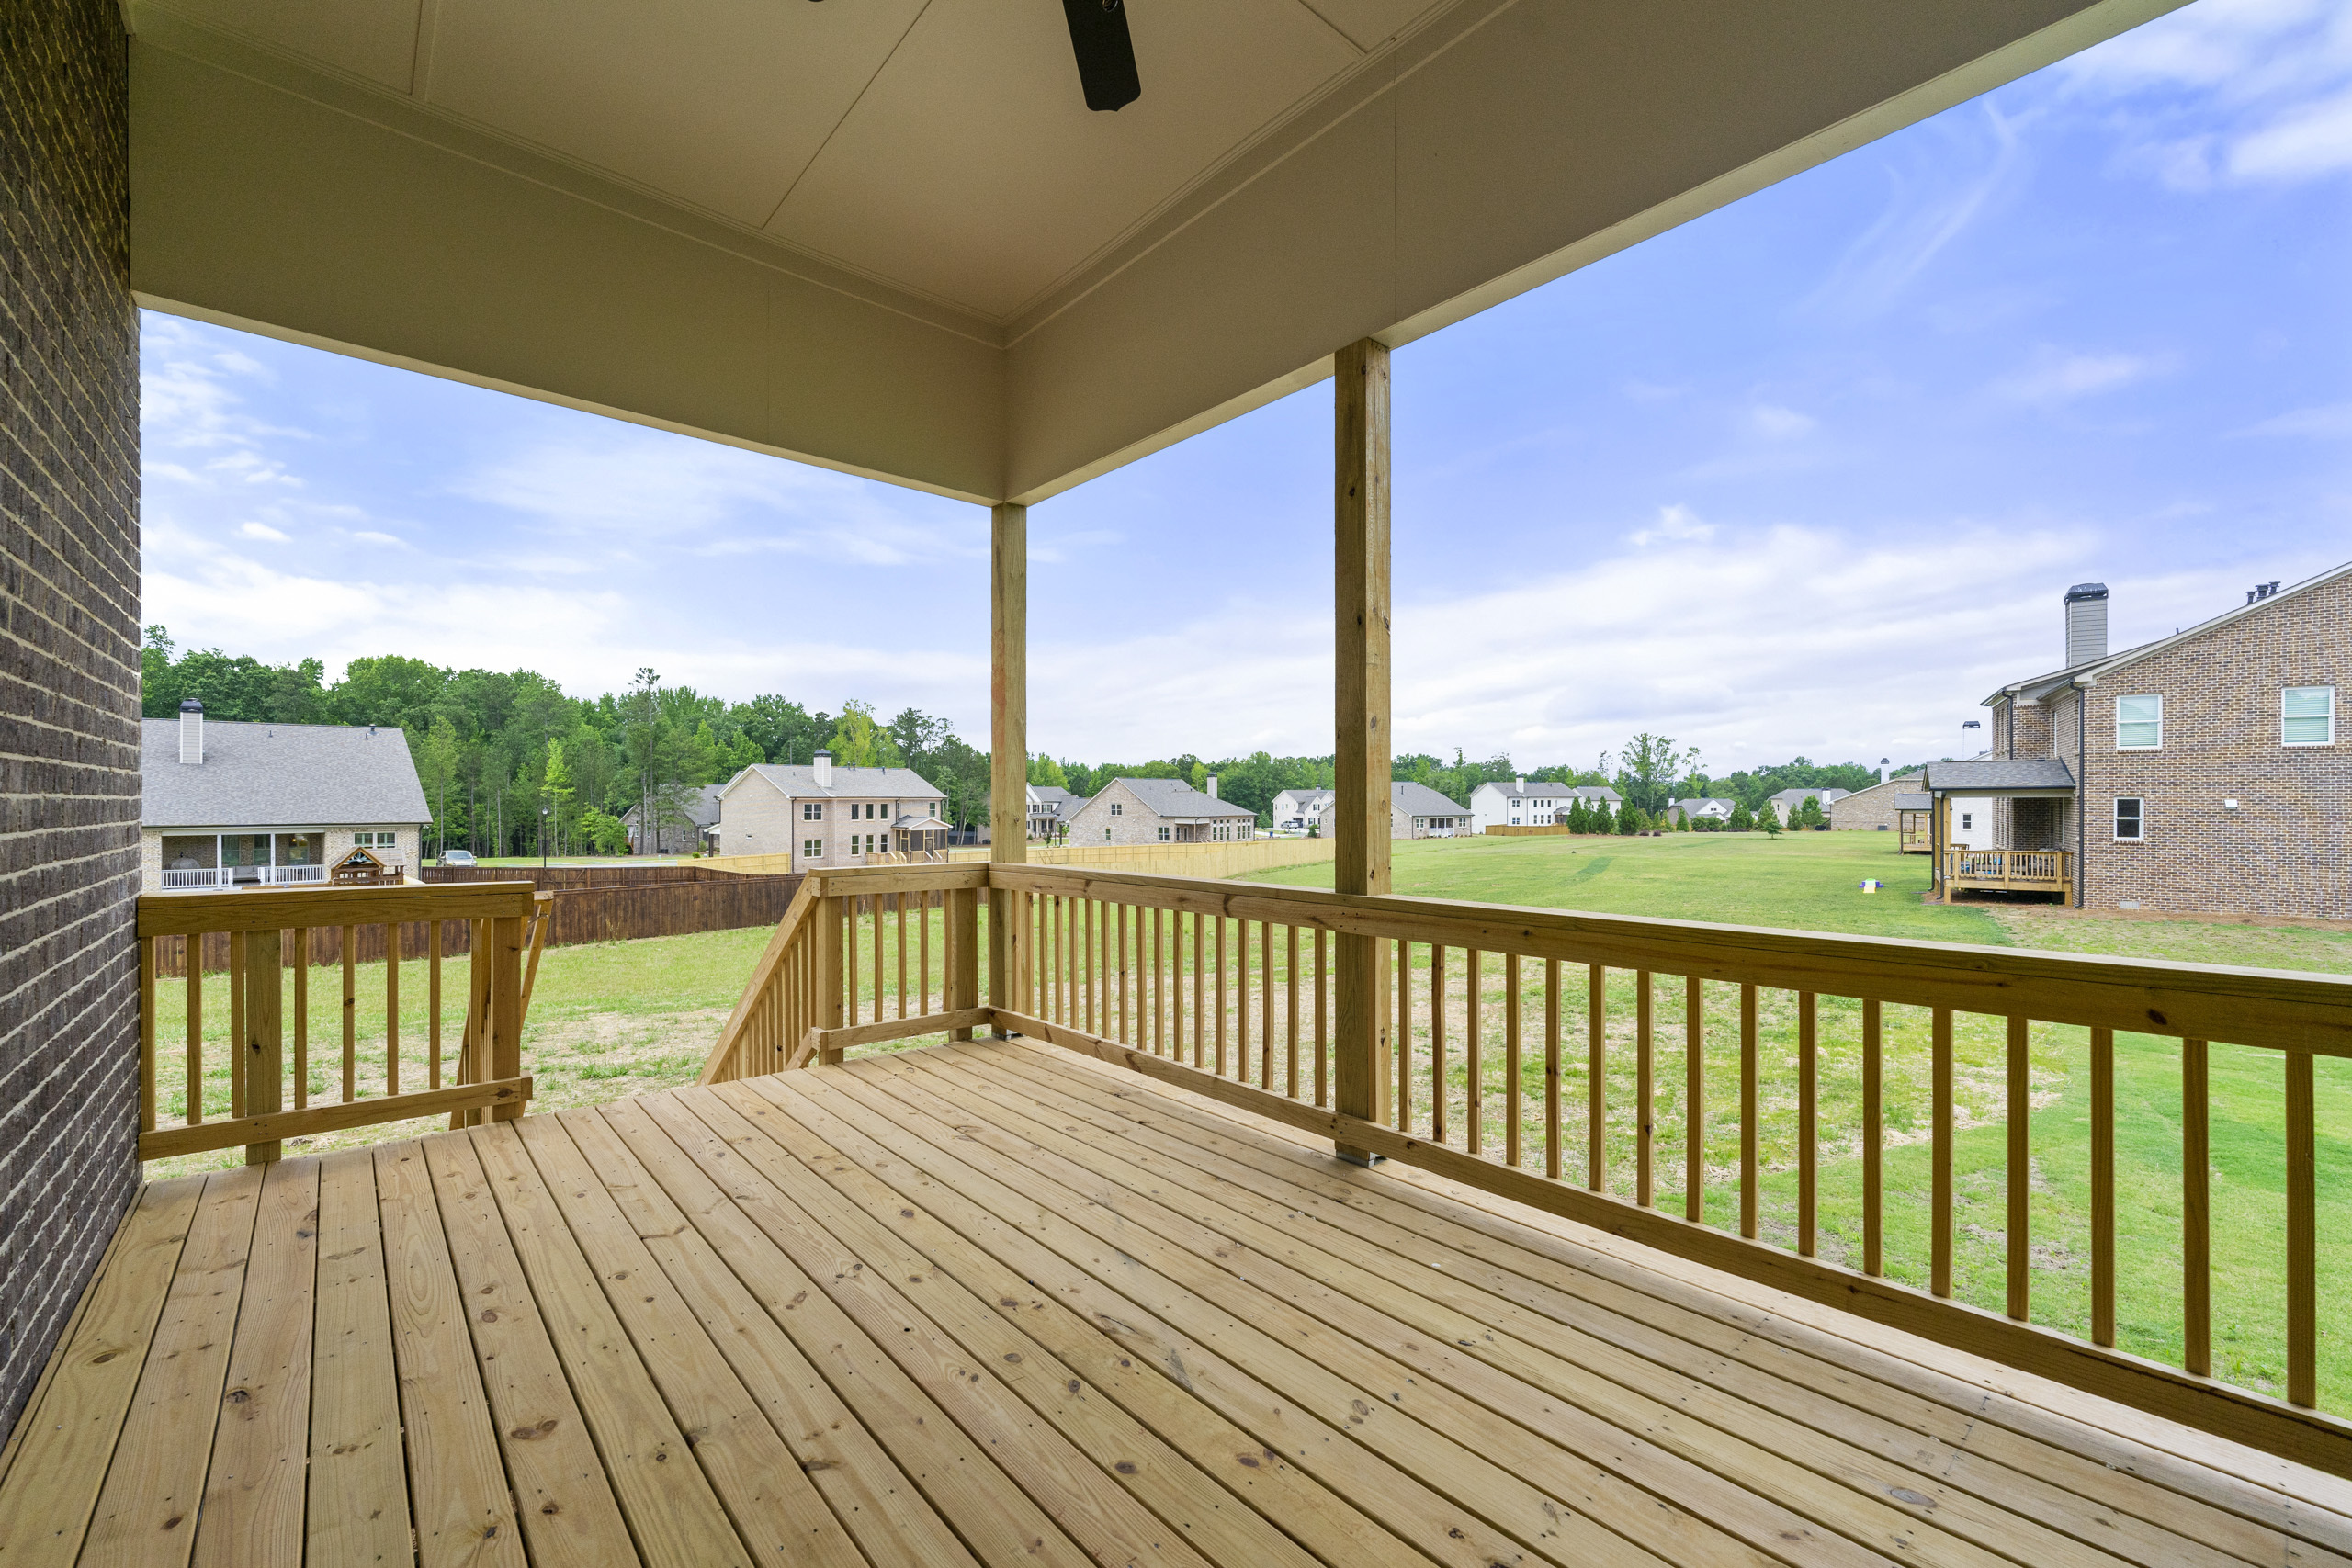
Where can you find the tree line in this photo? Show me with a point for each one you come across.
(495, 749)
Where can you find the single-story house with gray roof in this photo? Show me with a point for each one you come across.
(227, 804)
(1415, 811)
(1161, 811)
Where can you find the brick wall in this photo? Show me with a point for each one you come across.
(2286, 847)
(1873, 809)
(69, 670)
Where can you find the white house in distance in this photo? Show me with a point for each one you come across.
(1051, 810)
(1161, 811)
(1415, 811)
(824, 815)
(1520, 804)
(1702, 808)
(1294, 809)
(236, 804)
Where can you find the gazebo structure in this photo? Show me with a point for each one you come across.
(1087, 1283)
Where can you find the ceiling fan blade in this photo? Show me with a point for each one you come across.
(1106, 55)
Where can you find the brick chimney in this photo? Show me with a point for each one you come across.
(191, 731)
(2085, 623)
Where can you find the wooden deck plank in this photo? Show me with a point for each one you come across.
(254, 1497)
(1130, 1454)
(1956, 1397)
(728, 1204)
(674, 1515)
(1290, 1195)
(464, 1513)
(775, 1509)
(569, 1514)
(146, 1515)
(886, 1513)
(358, 1514)
(1619, 1473)
(1431, 1490)
(65, 1440)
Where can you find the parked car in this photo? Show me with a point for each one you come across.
(457, 857)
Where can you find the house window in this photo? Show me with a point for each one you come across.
(813, 811)
(2131, 818)
(366, 839)
(1117, 809)
(1106, 835)
(2138, 723)
(1163, 835)
(1967, 821)
(2307, 715)
(812, 849)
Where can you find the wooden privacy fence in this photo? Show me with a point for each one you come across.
(1501, 1053)
(270, 1039)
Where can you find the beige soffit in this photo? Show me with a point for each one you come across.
(885, 235)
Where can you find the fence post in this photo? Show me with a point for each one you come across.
(506, 1007)
(831, 912)
(963, 922)
(263, 1044)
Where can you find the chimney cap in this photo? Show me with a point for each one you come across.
(2087, 590)
(190, 705)
(824, 753)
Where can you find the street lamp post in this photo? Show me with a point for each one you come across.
(543, 838)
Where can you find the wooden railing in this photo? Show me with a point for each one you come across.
(1657, 1079)
(275, 942)
(2029, 871)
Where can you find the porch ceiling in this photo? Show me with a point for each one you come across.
(887, 236)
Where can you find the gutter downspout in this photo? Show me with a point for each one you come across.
(2082, 788)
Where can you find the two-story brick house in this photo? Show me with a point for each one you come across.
(824, 815)
(1161, 811)
(2205, 772)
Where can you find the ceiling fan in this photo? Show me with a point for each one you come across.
(1106, 55)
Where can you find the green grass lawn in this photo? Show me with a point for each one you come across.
(1809, 882)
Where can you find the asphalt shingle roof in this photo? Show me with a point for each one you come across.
(799, 779)
(2026, 773)
(1174, 797)
(1419, 800)
(278, 775)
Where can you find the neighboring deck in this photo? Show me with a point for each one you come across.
(1000, 1304)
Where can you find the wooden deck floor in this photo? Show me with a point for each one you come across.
(1000, 1305)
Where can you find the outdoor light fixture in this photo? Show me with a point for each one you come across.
(543, 838)
(1106, 55)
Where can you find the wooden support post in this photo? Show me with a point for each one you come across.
(831, 913)
(1361, 818)
(1008, 751)
(505, 1007)
(962, 917)
(263, 1044)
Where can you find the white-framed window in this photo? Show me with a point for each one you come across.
(2131, 818)
(1118, 808)
(1514, 821)
(2138, 723)
(813, 811)
(1163, 835)
(812, 849)
(1106, 835)
(1967, 821)
(2307, 715)
(367, 840)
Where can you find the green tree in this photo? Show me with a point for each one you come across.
(1600, 819)
(435, 755)
(607, 833)
(1742, 821)
(1769, 823)
(1809, 815)
(1631, 820)
(1047, 774)
(860, 741)
(556, 790)
(1648, 767)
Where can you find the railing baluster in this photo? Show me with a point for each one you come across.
(1474, 971)
(922, 960)
(237, 1026)
(900, 900)
(1159, 1039)
(351, 1013)
(2020, 1157)
(1750, 1205)
(192, 961)
(147, 959)
(876, 902)
(1121, 910)
(391, 1007)
(2196, 1212)
(1404, 1106)
(1940, 1200)
(1596, 1090)
(1437, 1042)
(2302, 1233)
(1322, 1031)
(1808, 1129)
(1644, 1089)
(1551, 1068)
(1200, 991)
(432, 995)
(1290, 1014)
(1873, 1142)
(1266, 1011)
(1241, 984)
(1512, 1007)
(302, 956)
(1694, 1100)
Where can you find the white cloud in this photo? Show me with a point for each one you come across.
(371, 537)
(2307, 143)
(2053, 376)
(1777, 423)
(2328, 421)
(1931, 201)
(1676, 523)
(262, 531)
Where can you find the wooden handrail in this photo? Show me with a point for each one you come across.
(716, 1068)
(259, 936)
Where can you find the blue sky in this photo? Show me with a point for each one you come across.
(1808, 475)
